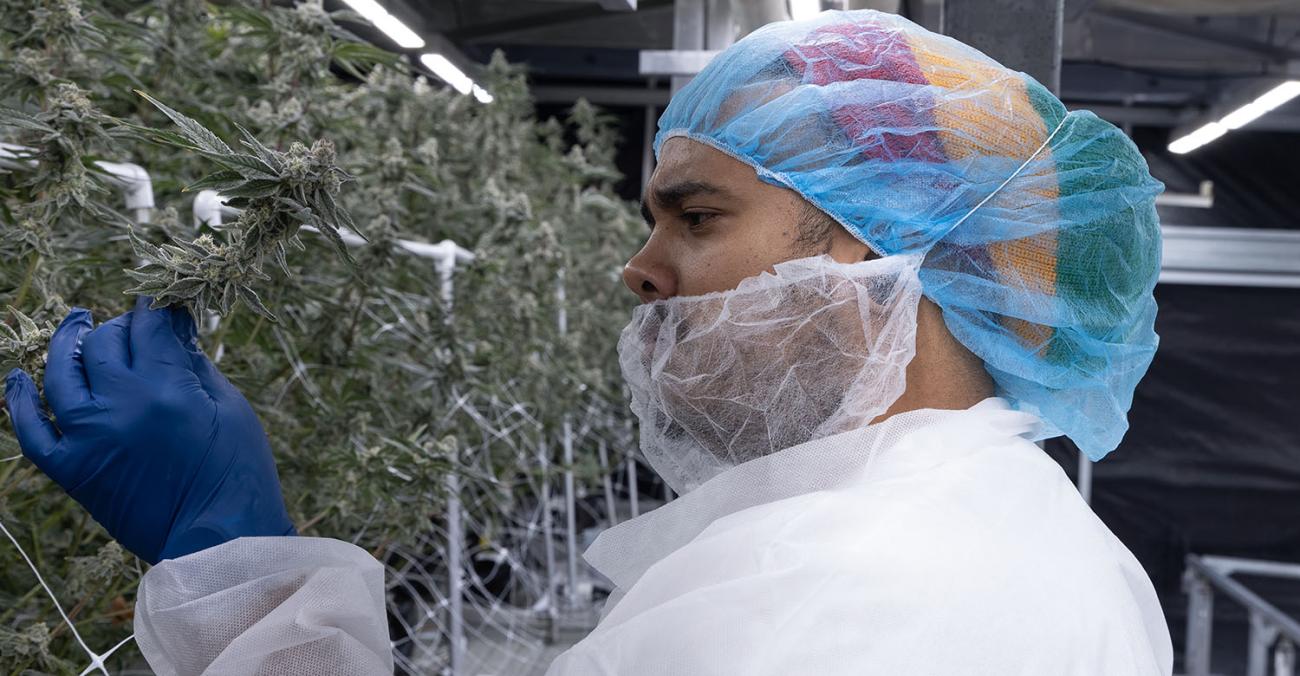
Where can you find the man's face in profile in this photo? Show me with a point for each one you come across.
(713, 223)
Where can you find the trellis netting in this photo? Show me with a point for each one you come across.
(373, 390)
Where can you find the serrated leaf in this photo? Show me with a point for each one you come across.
(200, 135)
(253, 189)
(337, 216)
(254, 302)
(161, 136)
(16, 118)
(219, 180)
(26, 327)
(142, 248)
(248, 166)
(184, 288)
(270, 157)
(150, 288)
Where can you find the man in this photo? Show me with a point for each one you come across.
(880, 265)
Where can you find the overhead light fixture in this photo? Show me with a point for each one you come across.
(390, 25)
(448, 72)
(805, 9)
(1268, 101)
(1198, 138)
(481, 94)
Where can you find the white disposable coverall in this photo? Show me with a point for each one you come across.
(938, 542)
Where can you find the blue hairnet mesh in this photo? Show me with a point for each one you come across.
(1038, 226)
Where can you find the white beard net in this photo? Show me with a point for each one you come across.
(812, 349)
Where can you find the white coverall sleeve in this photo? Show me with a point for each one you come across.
(273, 606)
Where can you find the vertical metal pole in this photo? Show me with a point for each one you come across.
(570, 517)
(610, 509)
(1262, 635)
(688, 32)
(648, 137)
(455, 533)
(548, 524)
(719, 26)
(1200, 624)
(1284, 658)
(633, 492)
(570, 503)
(1084, 478)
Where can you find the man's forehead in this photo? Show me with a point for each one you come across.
(685, 164)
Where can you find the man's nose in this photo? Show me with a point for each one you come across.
(649, 282)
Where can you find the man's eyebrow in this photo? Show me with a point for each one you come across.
(673, 194)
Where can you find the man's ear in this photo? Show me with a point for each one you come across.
(846, 248)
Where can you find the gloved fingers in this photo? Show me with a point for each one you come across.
(154, 345)
(209, 377)
(187, 332)
(106, 353)
(66, 387)
(36, 434)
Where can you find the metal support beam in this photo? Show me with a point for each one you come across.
(1230, 256)
(1020, 34)
(1192, 31)
(474, 32)
(679, 63)
(688, 36)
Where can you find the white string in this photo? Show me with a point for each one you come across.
(96, 661)
(1015, 173)
(11, 458)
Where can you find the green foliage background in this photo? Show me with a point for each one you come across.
(359, 378)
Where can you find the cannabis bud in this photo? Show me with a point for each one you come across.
(25, 347)
(279, 193)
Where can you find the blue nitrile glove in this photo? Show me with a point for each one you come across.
(148, 436)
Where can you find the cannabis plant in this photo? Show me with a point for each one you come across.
(374, 378)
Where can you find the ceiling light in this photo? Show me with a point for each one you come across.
(390, 25)
(1198, 138)
(481, 94)
(449, 73)
(1268, 101)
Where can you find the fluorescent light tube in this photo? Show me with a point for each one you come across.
(481, 94)
(1266, 102)
(1198, 138)
(448, 72)
(390, 25)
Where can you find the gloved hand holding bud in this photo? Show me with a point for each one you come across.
(148, 436)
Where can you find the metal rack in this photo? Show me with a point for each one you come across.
(1273, 636)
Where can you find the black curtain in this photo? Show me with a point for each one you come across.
(1211, 462)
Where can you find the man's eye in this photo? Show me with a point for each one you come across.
(695, 219)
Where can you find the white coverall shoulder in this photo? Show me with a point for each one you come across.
(954, 552)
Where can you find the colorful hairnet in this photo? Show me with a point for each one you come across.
(1039, 227)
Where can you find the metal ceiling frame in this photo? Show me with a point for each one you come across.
(1230, 256)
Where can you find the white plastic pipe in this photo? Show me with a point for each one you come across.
(570, 501)
(137, 187)
(455, 533)
(607, 481)
(633, 494)
(210, 209)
